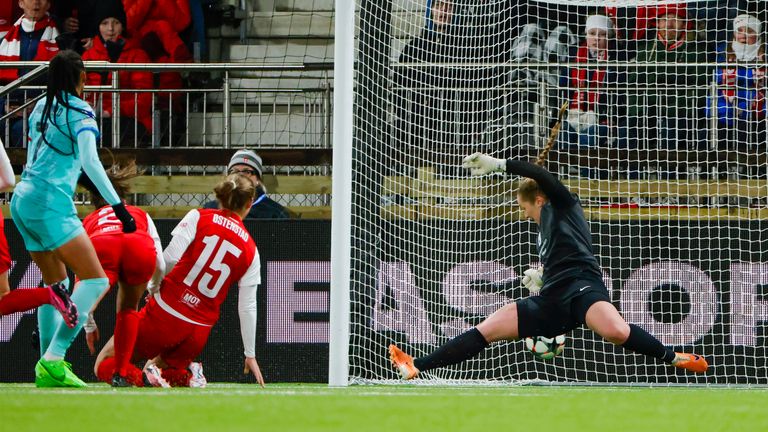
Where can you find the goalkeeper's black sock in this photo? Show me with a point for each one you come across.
(456, 350)
(640, 341)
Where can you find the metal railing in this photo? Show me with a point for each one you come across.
(226, 114)
(223, 97)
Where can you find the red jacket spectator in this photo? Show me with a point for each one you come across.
(164, 18)
(175, 12)
(132, 105)
(35, 22)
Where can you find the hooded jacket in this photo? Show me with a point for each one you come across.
(132, 105)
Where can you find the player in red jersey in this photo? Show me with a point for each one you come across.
(19, 300)
(128, 259)
(210, 250)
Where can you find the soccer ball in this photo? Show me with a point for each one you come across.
(545, 348)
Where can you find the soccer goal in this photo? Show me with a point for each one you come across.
(664, 142)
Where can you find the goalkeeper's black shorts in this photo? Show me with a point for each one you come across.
(561, 308)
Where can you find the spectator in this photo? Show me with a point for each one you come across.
(32, 38)
(157, 23)
(164, 19)
(595, 106)
(112, 46)
(668, 115)
(740, 106)
(715, 16)
(78, 22)
(248, 163)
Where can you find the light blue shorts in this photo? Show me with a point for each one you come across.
(45, 223)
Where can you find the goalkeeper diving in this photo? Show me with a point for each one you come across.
(572, 292)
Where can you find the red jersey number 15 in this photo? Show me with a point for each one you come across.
(213, 244)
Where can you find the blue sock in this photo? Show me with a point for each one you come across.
(87, 293)
(48, 320)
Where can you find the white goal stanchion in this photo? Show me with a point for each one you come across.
(664, 142)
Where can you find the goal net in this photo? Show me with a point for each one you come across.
(664, 142)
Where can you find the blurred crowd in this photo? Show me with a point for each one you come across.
(117, 31)
(648, 80)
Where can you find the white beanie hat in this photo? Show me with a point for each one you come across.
(747, 21)
(600, 22)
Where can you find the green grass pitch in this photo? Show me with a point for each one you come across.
(283, 407)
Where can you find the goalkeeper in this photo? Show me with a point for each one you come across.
(572, 290)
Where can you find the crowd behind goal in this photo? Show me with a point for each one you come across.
(677, 79)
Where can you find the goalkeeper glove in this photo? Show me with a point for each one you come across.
(129, 225)
(481, 164)
(532, 279)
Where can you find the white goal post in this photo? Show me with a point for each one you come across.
(664, 143)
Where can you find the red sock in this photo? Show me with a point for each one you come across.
(134, 375)
(107, 369)
(177, 377)
(126, 328)
(24, 299)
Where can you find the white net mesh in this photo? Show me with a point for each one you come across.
(664, 141)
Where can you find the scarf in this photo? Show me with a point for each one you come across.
(10, 47)
(669, 46)
(586, 82)
(746, 52)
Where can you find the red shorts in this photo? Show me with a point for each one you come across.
(5, 253)
(128, 258)
(176, 341)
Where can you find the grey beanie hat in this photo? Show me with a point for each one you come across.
(246, 157)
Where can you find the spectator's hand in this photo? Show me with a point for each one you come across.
(87, 43)
(252, 366)
(91, 333)
(482, 164)
(71, 25)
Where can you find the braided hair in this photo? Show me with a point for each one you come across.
(64, 72)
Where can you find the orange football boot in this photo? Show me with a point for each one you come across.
(402, 362)
(691, 362)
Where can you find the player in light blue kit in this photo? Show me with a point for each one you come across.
(61, 143)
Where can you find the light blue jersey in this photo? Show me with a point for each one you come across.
(57, 151)
(53, 158)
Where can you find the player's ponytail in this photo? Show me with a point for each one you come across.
(120, 177)
(544, 153)
(235, 192)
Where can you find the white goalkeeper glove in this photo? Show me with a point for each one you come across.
(532, 279)
(482, 164)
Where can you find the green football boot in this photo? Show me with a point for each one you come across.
(56, 373)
